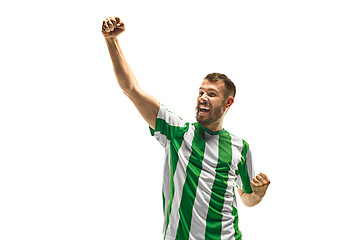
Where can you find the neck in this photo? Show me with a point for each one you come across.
(214, 127)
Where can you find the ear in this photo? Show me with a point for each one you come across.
(229, 102)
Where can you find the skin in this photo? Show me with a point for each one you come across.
(212, 95)
(147, 105)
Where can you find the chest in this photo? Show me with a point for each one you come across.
(212, 154)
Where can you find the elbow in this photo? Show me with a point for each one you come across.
(129, 89)
(127, 83)
(250, 200)
(252, 204)
(247, 204)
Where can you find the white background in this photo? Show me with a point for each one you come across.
(78, 162)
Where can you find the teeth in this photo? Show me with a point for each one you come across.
(204, 108)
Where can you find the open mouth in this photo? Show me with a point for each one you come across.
(204, 109)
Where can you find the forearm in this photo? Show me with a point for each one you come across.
(124, 75)
(250, 199)
(259, 185)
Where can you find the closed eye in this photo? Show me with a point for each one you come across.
(211, 93)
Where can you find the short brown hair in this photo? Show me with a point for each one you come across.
(229, 85)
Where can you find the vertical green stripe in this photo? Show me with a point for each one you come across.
(242, 169)
(164, 128)
(193, 171)
(236, 222)
(163, 198)
(174, 148)
(176, 135)
(214, 216)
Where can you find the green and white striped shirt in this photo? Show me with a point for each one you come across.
(201, 171)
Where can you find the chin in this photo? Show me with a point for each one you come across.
(203, 121)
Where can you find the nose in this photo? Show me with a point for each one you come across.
(203, 100)
(203, 97)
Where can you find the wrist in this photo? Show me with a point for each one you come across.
(110, 39)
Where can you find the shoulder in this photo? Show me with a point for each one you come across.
(169, 124)
(238, 141)
(165, 113)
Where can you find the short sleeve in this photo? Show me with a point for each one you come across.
(167, 125)
(245, 169)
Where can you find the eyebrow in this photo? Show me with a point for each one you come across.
(209, 89)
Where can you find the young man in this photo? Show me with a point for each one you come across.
(203, 162)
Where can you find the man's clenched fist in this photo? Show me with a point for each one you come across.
(259, 184)
(112, 27)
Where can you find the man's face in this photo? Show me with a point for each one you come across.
(210, 102)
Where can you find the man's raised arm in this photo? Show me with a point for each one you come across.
(146, 104)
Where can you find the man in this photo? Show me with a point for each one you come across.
(203, 162)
